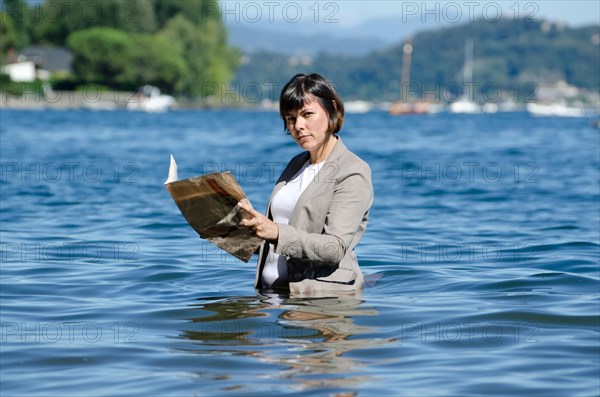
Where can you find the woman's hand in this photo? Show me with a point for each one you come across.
(262, 226)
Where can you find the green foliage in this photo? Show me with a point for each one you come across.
(101, 54)
(196, 11)
(111, 57)
(204, 48)
(9, 37)
(508, 52)
(159, 62)
(17, 89)
(178, 45)
(17, 23)
(514, 56)
(55, 20)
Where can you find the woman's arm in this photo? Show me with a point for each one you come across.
(351, 199)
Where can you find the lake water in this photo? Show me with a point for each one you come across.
(482, 253)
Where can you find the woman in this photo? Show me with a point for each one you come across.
(319, 207)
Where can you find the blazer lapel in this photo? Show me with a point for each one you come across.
(285, 177)
(325, 175)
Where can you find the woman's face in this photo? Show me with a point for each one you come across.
(308, 125)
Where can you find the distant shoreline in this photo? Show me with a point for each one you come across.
(111, 100)
(119, 100)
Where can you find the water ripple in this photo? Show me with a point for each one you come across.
(477, 283)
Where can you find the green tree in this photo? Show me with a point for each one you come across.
(16, 14)
(57, 19)
(118, 43)
(159, 63)
(210, 61)
(111, 57)
(196, 11)
(103, 56)
(8, 35)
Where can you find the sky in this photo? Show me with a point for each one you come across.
(353, 13)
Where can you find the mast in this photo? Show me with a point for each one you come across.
(468, 68)
(407, 105)
(406, 64)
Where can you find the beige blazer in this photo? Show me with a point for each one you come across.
(328, 221)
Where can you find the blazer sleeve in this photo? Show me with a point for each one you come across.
(352, 197)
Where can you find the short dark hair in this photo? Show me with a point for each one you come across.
(302, 89)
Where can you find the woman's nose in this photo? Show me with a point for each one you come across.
(299, 124)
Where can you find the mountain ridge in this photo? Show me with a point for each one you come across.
(508, 55)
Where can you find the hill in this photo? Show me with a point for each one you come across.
(513, 56)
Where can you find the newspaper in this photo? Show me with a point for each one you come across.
(209, 204)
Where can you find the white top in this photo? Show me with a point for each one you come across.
(274, 273)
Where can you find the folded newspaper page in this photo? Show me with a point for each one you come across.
(209, 204)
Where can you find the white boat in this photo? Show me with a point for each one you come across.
(555, 109)
(490, 107)
(357, 106)
(149, 99)
(464, 105)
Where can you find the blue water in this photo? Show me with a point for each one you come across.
(482, 254)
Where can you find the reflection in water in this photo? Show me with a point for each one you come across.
(310, 337)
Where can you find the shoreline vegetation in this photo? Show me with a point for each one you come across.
(181, 48)
(122, 101)
(112, 100)
(176, 46)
